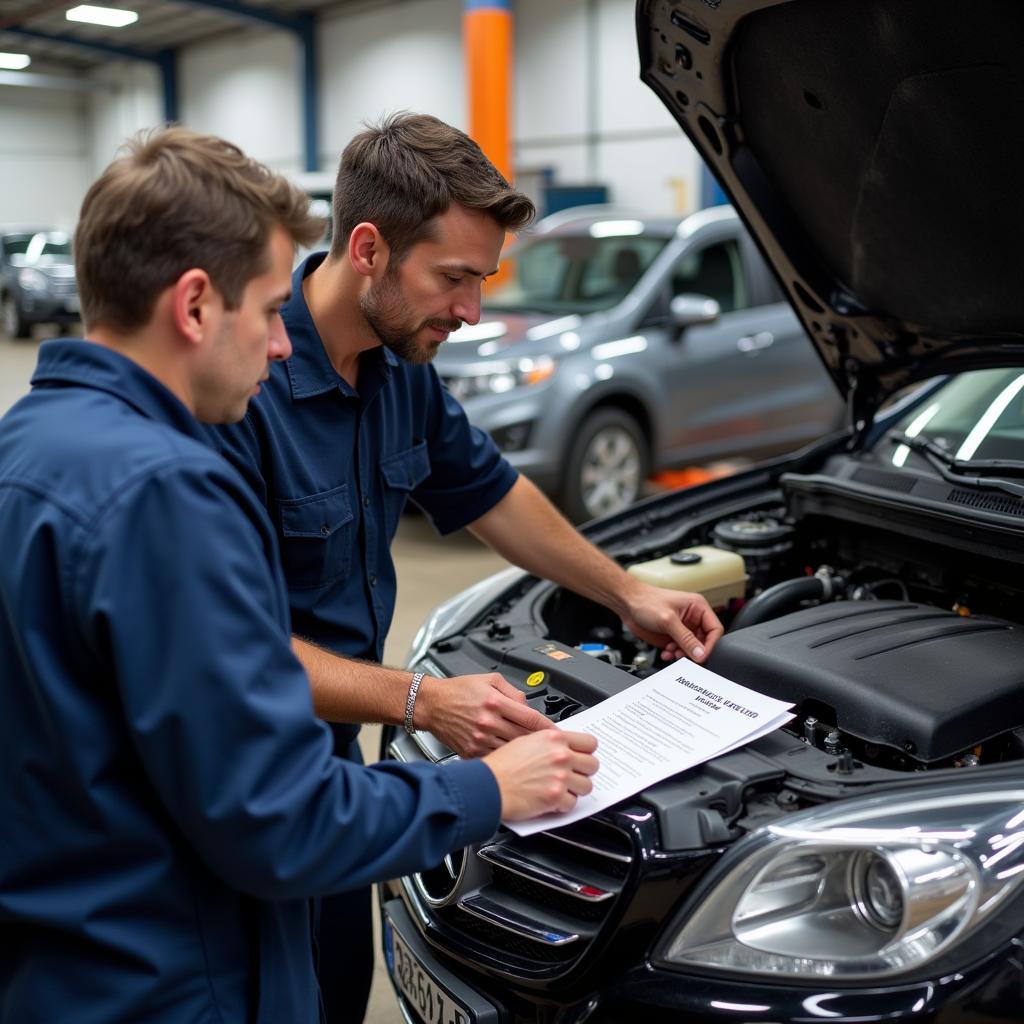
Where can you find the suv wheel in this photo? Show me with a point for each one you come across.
(15, 325)
(607, 465)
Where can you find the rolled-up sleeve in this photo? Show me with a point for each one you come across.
(468, 475)
(174, 585)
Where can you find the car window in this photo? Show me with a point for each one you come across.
(612, 270)
(977, 415)
(715, 271)
(572, 273)
(15, 245)
(41, 247)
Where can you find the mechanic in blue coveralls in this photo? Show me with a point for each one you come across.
(169, 799)
(356, 422)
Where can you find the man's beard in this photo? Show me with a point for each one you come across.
(385, 310)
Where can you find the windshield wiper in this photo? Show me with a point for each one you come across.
(964, 471)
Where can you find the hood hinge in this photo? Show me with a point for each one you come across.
(860, 415)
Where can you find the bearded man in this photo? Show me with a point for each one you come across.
(357, 422)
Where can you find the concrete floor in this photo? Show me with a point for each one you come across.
(429, 570)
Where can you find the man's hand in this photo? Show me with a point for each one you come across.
(543, 773)
(525, 528)
(679, 622)
(475, 714)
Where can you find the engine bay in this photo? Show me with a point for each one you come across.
(895, 649)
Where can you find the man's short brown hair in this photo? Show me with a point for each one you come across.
(177, 200)
(405, 170)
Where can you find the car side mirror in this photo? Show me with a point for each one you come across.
(688, 310)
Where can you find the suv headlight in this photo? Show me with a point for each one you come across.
(32, 280)
(497, 378)
(861, 889)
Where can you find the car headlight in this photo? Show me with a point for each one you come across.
(32, 280)
(860, 889)
(497, 378)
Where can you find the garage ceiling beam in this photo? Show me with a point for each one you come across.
(34, 80)
(163, 59)
(248, 13)
(95, 45)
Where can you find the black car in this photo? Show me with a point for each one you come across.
(866, 862)
(37, 280)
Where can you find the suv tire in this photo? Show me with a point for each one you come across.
(14, 323)
(606, 467)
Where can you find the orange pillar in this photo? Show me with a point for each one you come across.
(487, 44)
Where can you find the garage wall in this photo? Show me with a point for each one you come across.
(606, 126)
(135, 102)
(369, 69)
(44, 156)
(245, 87)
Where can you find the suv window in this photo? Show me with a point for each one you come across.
(36, 248)
(573, 273)
(615, 267)
(715, 271)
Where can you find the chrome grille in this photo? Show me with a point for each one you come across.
(530, 891)
(515, 955)
(552, 892)
(63, 286)
(528, 903)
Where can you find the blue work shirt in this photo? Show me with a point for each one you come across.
(335, 465)
(169, 801)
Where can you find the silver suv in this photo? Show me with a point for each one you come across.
(37, 280)
(613, 346)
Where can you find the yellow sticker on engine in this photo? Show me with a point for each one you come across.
(535, 679)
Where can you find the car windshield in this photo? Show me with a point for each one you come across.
(977, 417)
(572, 273)
(41, 247)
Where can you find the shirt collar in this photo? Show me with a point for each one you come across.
(88, 364)
(310, 372)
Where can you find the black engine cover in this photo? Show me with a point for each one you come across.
(920, 679)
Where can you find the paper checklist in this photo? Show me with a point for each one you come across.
(675, 719)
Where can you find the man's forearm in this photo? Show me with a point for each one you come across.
(471, 714)
(349, 690)
(525, 528)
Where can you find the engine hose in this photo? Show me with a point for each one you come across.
(787, 596)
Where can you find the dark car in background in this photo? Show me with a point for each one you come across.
(37, 280)
(615, 345)
(866, 861)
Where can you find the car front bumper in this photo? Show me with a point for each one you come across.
(527, 413)
(42, 307)
(988, 991)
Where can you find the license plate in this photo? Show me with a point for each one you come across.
(424, 995)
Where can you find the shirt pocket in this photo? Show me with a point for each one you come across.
(403, 472)
(316, 537)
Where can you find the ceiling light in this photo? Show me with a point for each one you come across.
(108, 16)
(14, 61)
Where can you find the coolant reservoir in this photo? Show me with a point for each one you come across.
(719, 575)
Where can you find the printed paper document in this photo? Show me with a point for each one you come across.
(675, 719)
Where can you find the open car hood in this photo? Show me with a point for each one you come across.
(874, 149)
